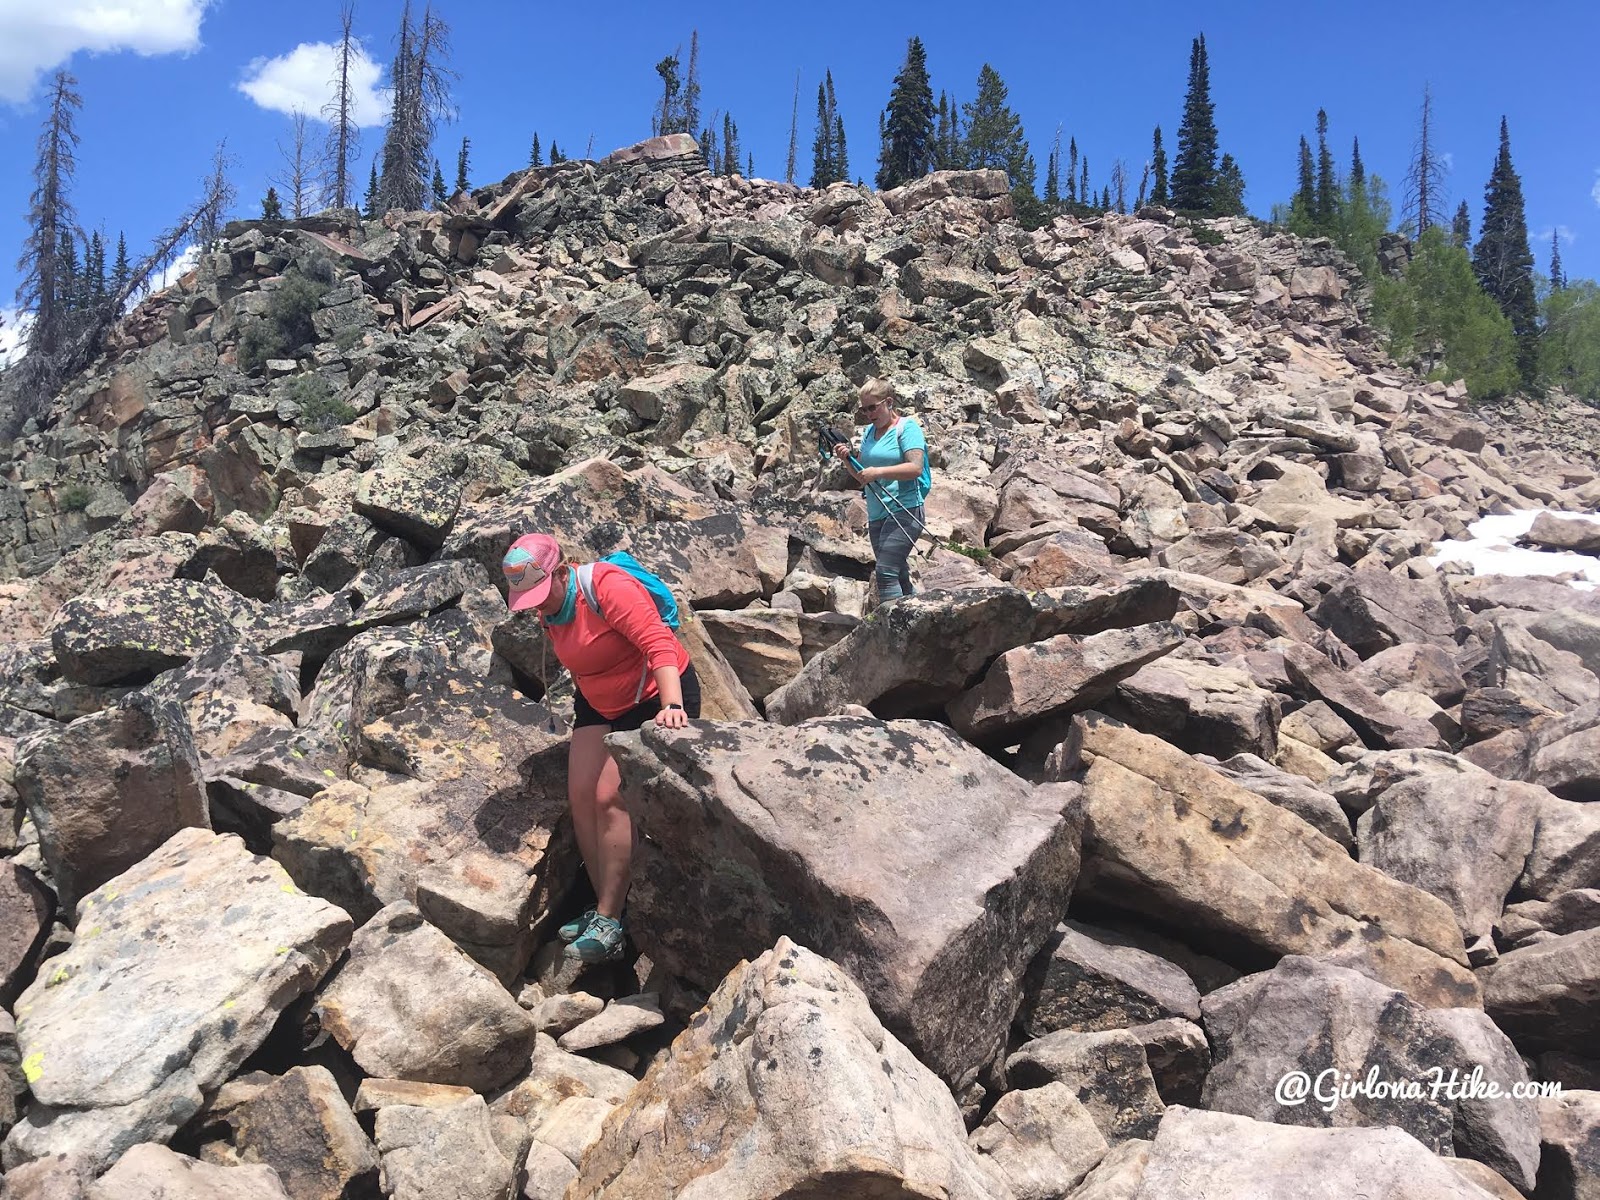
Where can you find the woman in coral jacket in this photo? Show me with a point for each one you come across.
(629, 668)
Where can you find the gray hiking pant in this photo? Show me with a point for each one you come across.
(891, 547)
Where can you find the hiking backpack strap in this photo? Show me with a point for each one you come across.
(585, 577)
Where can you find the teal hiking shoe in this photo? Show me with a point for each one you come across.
(573, 929)
(601, 942)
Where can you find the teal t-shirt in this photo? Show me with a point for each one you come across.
(890, 450)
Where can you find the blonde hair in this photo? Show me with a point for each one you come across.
(879, 389)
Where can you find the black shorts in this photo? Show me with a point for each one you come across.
(585, 715)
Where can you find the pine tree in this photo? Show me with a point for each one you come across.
(749, 165)
(994, 133)
(669, 116)
(1358, 171)
(1194, 175)
(1558, 277)
(1305, 196)
(440, 196)
(69, 272)
(708, 149)
(1228, 199)
(1158, 165)
(1144, 188)
(1438, 315)
(555, 153)
(344, 135)
(730, 145)
(995, 140)
(463, 161)
(1052, 175)
(830, 162)
(1072, 172)
(794, 131)
(1119, 185)
(908, 123)
(1502, 260)
(1425, 178)
(121, 271)
(691, 84)
(50, 217)
(535, 154)
(95, 269)
(1327, 197)
(419, 95)
(369, 207)
(1105, 199)
(1085, 197)
(1461, 227)
(271, 206)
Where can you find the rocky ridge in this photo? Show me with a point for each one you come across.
(1185, 769)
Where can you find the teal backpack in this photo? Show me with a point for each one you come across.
(659, 591)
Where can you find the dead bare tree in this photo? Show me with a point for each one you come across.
(1425, 179)
(220, 197)
(794, 130)
(298, 174)
(50, 217)
(344, 135)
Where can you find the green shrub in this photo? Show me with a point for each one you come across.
(975, 553)
(259, 342)
(287, 324)
(74, 497)
(319, 407)
(1206, 236)
(348, 338)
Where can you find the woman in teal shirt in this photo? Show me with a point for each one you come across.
(893, 458)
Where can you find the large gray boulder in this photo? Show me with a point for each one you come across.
(1218, 1156)
(1334, 1024)
(923, 868)
(1372, 611)
(1544, 995)
(913, 656)
(1090, 979)
(180, 968)
(131, 636)
(152, 1172)
(1063, 674)
(449, 1151)
(1042, 1140)
(108, 789)
(408, 1004)
(786, 1084)
(1458, 833)
(1166, 836)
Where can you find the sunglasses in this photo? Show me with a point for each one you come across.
(522, 576)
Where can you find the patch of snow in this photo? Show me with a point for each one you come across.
(1492, 550)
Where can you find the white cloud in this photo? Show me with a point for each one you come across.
(1449, 160)
(181, 266)
(302, 81)
(1542, 238)
(38, 36)
(13, 334)
(1595, 191)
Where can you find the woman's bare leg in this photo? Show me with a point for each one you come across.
(601, 822)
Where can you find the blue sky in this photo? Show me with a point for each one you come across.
(161, 84)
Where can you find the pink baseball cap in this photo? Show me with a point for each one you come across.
(530, 567)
